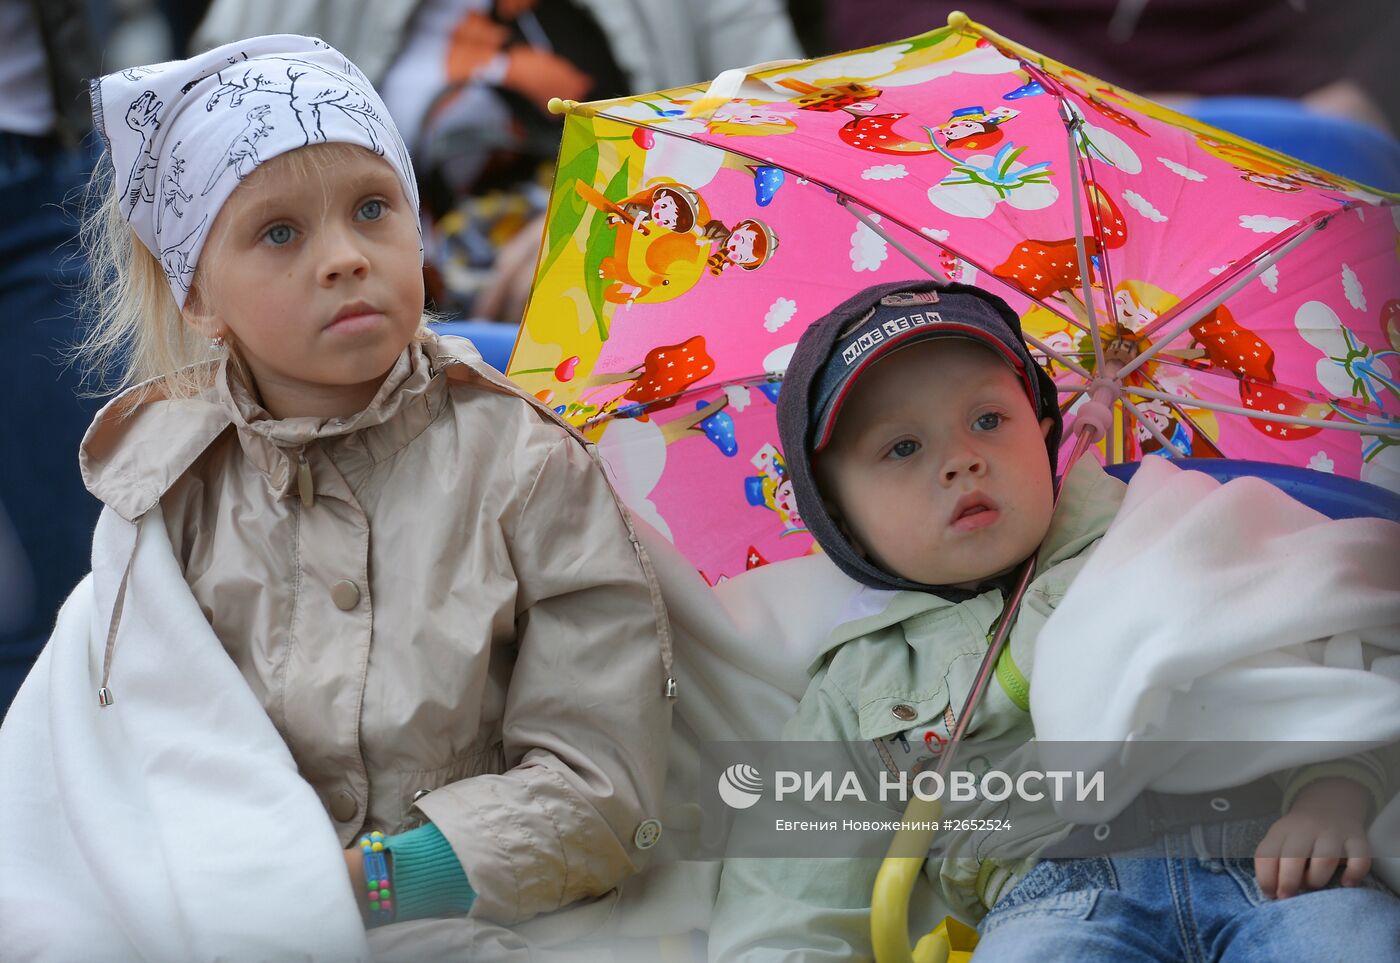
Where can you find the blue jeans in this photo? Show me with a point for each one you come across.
(48, 514)
(1170, 902)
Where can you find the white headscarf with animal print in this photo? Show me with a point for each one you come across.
(183, 134)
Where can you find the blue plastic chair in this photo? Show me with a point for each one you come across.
(1332, 495)
(494, 340)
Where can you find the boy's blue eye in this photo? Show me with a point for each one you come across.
(371, 210)
(279, 234)
(904, 448)
(988, 422)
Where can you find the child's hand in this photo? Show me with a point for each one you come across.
(1325, 827)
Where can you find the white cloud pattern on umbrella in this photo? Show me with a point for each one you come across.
(779, 313)
(1143, 206)
(1181, 169)
(1265, 224)
(868, 249)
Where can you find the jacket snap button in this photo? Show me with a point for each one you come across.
(903, 712)
(647, 834)
(345, 594)
(343, 806)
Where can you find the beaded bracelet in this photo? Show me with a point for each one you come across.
(381, 898)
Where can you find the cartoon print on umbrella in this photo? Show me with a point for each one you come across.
(827, 99)
(749, 118)
(748, 244)
(1267, 172)
(1050, 269)
(719, 428)
(668, 205)
(649, 266)
(766, 181)
(1094, 92)
(977, 184)
(1351, 369)
(876, 133)
(975, 128)
(772, 489)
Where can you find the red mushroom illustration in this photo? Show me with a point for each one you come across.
(667, 370)
(1267, 397)
(1044, 269)
(876, 133)
(1233, 347)
(754, 559)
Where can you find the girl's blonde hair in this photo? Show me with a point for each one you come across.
(136, 332)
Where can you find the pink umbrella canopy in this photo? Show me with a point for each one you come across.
(1192, 293)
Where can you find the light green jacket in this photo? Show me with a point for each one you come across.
(896, 652)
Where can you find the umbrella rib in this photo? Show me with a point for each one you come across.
(1061, 358)
(643, 406)
(1075, 174)
(899, 246)
(1152, 429)
(1210, 304)
(1369, 428)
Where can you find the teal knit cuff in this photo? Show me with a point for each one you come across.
(428, 878)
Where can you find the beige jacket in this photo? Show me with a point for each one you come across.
(440, 604)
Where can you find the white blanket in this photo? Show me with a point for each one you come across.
(173, 825)
(1212, 614)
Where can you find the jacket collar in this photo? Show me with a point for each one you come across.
(143, 441)
(409, 398)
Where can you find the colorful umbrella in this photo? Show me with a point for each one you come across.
(1193, 293)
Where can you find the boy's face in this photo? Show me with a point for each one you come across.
(937, 465)
(313, 268)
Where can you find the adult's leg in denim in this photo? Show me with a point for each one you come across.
(1090, 910)
(42, 419)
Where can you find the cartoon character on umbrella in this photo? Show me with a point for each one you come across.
(976, 128)
(666, 241)
(772, 489)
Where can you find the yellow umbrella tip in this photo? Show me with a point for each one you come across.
(557, 106)
(958, 20)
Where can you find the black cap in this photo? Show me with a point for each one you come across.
(838, 348)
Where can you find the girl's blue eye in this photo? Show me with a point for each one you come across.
(371, 210)
(904, 448)
(988, 422)
(279, 234)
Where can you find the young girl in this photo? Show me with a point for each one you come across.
(430, 594)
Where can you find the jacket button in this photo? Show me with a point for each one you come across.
(903, 712)
(345, 594)
(647, 834)
(343, 806)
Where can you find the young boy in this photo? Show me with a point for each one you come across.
(921, 440)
